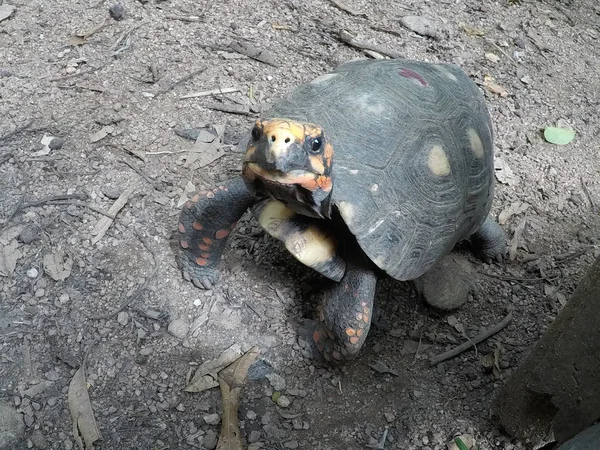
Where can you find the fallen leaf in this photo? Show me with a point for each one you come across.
(104, 222)
(206, 149)
(516, 239)
(9, 254)
(421, 25)
(504, 173)
(472, 31)
(6, 11)
(82, 413)
(81, 38)
(492, 57)
(559, 136)
(380, 367)
(231, 382)
(189, 187)
(11, 233)
(494, 87)
(455, 323)
(512, 210)
(248, 49)
(205, 376)
(58, 265)
(102, 133)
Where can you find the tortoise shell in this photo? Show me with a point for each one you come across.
(413, 165)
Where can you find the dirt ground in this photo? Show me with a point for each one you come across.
(120, 297)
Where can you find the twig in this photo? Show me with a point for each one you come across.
(139, 172)
(173, 85)
(230, 108)
(510, 58)
(83, 72)
(126, 33)
(80, 204)
(564, 257)
(138, 292)
(104, 223)
(381, 444)
(165, 152)
(587, 194)
(347, 9)
(183, 18)
(16, 131)
(347, 38)
(476, 340)
(211, 92)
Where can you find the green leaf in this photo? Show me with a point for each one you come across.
(558, 136)
(460, 444)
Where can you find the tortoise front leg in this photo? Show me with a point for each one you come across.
(345, 316)
(205, 223)
(489, 242)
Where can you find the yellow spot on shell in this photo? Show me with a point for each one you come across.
(438, 161)
(476, 144)
(347, 211)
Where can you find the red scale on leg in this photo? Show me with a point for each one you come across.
(197, 226)
(181, 228)
(220, 234)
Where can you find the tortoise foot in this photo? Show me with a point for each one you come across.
(203, 278)
(489, 242)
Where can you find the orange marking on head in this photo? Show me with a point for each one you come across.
(197, 226)
(354, 339)
(205, 255)
(221, 234)
(201, 261)
(207, 240)
(277, 126)
(195, 198)
(204, 247)
(184, 244)
(316, 163)
(210, 194)
(181, 228)
(324, 183)
(350, 331)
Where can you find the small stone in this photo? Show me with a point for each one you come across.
(492, 57)
(70, 70)
(39, 293)
(52, 401)
(30, 234)
(11, 426)
(283, 401)
(420, 25)
(38, 440)
(425, 440)
(291, 444)
(526, 79)
(210, 440)
(56, 143)
(389, 417)
(67, 444)
(111, 192)
(178, 328)
(32, 273)
(212, 419)
(251, 415)
(116, 11)
(197, 302)
(123, 318)
(377, 347)
(254, 436)
(277, 381)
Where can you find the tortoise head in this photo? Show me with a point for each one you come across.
(291, 162)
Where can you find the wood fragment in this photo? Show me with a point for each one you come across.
(210, 92)
(81, 38)
(104, 223)
(587, 194)
(347, 9)
(230, 108)
(16, 131)
(251, 51)
(510, 58)
(472, 342)
(348, 39)
(183, 18)
(173, 85)
(125, 34)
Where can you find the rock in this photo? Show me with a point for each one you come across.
(448, 284)
(38, 440)
(56, 143)
(116, 11)
(283, 401)
(210, 440)
(123, 318)
(11, 427)
(32, 273)
(421, 25)
(254, 436)
(212, 419)
(178, 328)
(30, 234)
(291, 444)
(277, 381)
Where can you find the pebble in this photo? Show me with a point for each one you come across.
(69, 70)
(212, 419)
(38, 440)
(420, 25)
(32, 273)
(178, 328)
(210, 440)
(197, 302)
(39, 293)
(389, 417)
(116, 11)
(283, 401)
(254, 436)
(277, 381)
(251, 415)
(56, 143)
(123, 318)
(291, 444)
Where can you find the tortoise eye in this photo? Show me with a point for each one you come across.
(255, 134)
(317, 145)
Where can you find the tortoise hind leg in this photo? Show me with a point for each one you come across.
(205, 223)
(345, 317)
(489, 242)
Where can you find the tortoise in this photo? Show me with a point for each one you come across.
(379, 167)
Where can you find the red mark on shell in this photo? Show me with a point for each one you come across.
(181, 228)
(221, 234)
(184, 244)
(407, 73)
(201, 261)
(197, 226)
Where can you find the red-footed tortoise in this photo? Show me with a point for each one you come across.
(379, 166)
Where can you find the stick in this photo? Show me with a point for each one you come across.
(347, 38)
(230, 108)
(183, 18)
(476, 340)
(347, 9)
(180, 81)
(16, 131)
(138, 292)
(104, 223)
(587, 194)
(83, 72)
(211, 92)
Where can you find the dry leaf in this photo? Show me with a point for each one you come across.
(6, 11)
(102, 133)
(492, 57)
(516, 239)
(9, 254)
(206, 376)
(80, 38)
(82, 414)
(504, 173)
(206, 149)
(494, 87)
(380, 367)
(512, 210)
(104, 222)
(245, 48)
(58, 265)
(472, 31)
(11, 233)
(231, 382)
